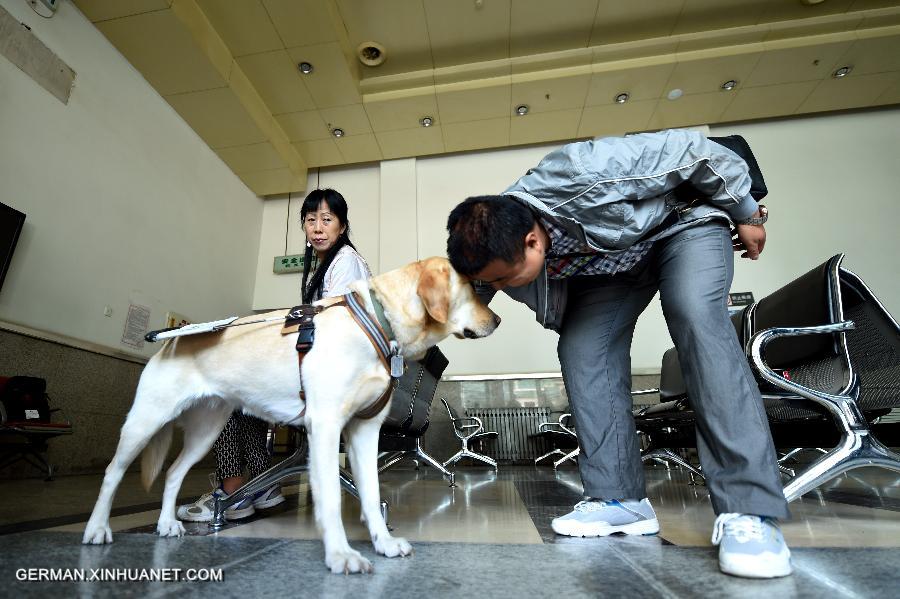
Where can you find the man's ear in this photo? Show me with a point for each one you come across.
(434, 289)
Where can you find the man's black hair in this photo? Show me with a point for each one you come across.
(486, 228)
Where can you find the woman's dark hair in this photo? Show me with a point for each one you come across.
(487, 228)
(337, 205)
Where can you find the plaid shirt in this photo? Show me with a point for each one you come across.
(568, 257)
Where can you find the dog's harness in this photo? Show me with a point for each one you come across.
(300, 320)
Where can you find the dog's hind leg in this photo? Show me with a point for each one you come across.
(201, 424)
(362, 438)
(324, 442)
(140, 426)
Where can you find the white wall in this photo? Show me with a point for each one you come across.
(833, 183)
(124, 202)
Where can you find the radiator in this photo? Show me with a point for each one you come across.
(514, 427)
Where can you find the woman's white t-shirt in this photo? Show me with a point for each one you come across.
(347, 266)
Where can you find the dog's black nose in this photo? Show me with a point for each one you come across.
(470, 334)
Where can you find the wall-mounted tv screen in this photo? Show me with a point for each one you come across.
(11, 221)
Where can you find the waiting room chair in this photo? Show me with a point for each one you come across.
(561, 436)
(466, 429)
(826, 354)
(407, 421)
(25, 425)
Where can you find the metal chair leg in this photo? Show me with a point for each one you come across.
(548, 454)
(667, 455)
(569, 456)
(857, 449)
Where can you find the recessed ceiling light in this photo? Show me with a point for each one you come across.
(522, 109)
(337, 132)
(729, 85)
(811, 2)
(842, 72)
(622, 98)
(305, 67)
(674, 94)
(426, 121)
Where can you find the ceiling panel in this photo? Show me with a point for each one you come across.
(772, 100)
(278, 81)
(473, 104)
(301, 22)
(853, 91)
(892, 94)
(618, 21)
(401, 113)
(359, 148)
(473, 135)
(616, 119)
(330, 83)
(708, 71)
(352, 119)
(820, 25)
(398, 25)
(102, 10)
(275, 181)
(303, 126)
(642, 81)
(319, 152)
(549, 95)
(411, 142)
(737, 36)
(787, 65)
(465, 32)
(544, 126)
(218, 117)
(538, 26)
(704, 15)
(783, 11)
(873, 54)
(697, 109)
(176, 66)
(253, 157)
(244, 25)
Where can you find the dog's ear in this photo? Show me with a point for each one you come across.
(434, 289)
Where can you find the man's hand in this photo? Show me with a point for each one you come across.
(751, 239)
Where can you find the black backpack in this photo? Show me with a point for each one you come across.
(23, 399)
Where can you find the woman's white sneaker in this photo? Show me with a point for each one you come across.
(751, 546)
(598, 518)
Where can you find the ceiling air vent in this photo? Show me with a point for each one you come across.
(371, 54)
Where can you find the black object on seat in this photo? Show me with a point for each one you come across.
(825, 351)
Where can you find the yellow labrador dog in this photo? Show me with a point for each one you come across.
(197, 381)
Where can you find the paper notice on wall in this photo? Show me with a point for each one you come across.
(136, 325)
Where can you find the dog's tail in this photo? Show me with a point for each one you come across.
(154, 454)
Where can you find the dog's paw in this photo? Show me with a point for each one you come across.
(170, 528)
(392, 546)
(97, 535)
(348, 561)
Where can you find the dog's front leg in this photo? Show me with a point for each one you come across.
(324, 444)
(362, 437)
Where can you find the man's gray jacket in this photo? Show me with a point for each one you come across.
(611, 193)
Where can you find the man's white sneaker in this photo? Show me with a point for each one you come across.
(751, 546)
(598, 518)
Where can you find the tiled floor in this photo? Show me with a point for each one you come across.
(490, 535)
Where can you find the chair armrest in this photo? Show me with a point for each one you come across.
(845, 404)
